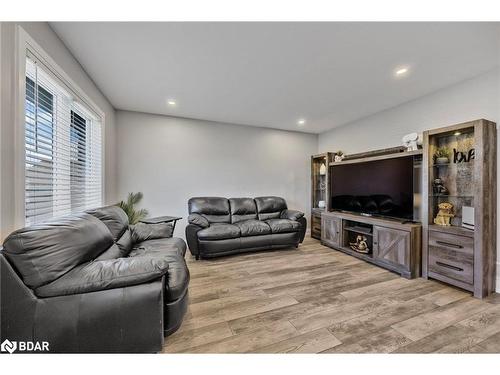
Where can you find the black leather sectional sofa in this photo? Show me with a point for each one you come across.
(80, 283)
(220, 226)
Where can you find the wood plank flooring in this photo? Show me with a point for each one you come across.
(317, 300)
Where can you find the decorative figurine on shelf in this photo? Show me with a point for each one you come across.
(438, 187)
(321, 204)
(361, 245)
(411, 141)
(444, 215)
(322, 169)
(339, 156)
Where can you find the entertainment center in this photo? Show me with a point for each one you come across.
(429, 212)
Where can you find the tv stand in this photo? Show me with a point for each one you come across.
(391, 244)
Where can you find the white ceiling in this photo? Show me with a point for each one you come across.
(272, 74)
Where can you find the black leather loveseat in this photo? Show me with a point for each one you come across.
(80, 283)
(221, 226)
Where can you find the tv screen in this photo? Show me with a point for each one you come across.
(382, 187)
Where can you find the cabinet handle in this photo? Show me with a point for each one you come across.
(449, 266)
(449, 244)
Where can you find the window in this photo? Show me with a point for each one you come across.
(63, 148)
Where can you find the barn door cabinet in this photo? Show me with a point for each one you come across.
(392, 246)
(331, 231)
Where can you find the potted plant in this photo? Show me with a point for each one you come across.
(134, 216)
(442, 156)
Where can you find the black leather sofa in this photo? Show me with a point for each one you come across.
(221, 226)
(81, 284)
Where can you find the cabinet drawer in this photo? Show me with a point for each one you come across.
(316, 217)
(316, 234)
(452, 256)
(316, 222)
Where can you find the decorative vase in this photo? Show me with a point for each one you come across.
(321, 204)
(442, 160)
(322, 169)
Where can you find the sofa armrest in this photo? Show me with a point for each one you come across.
(120, 320)
(106, 274)
(197, 219)
(291, 214)
(192, 238)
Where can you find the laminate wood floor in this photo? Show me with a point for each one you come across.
(317, 300)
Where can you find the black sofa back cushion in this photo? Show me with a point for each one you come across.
(43, 252)
(214, 209)
(270, 207)
(242, 209)
(117, 222)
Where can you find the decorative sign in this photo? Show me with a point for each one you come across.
(463, 157)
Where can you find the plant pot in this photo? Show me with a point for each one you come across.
(442, 160)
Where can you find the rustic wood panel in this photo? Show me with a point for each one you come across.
(392, 246)
(313, 299)
(330, 230)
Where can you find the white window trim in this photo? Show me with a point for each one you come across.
(25, 42)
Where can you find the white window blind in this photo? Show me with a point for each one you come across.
(63, 148)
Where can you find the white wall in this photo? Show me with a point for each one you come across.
(172, 159)
(469, 100)
(472, 99)
(53, 46)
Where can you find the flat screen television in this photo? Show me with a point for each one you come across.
(379, 188)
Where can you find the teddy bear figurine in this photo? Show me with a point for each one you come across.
(444, 215)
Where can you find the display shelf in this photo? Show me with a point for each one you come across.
(470, 182)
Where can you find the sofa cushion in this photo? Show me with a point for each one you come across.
(283, 225)
(117, 222)
(112, 253)
(270, 207)
(106, 274)
(43, 252)
(219, 232)
(214, 209)
(242, 209)
(144, 232)
(172, 245)
(253, 228)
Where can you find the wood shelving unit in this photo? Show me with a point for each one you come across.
(320, 188)
(456, 255)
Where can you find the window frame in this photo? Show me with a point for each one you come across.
(27, 46)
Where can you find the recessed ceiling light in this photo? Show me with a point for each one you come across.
(301, 122)
(171, 102)
(401, 71)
